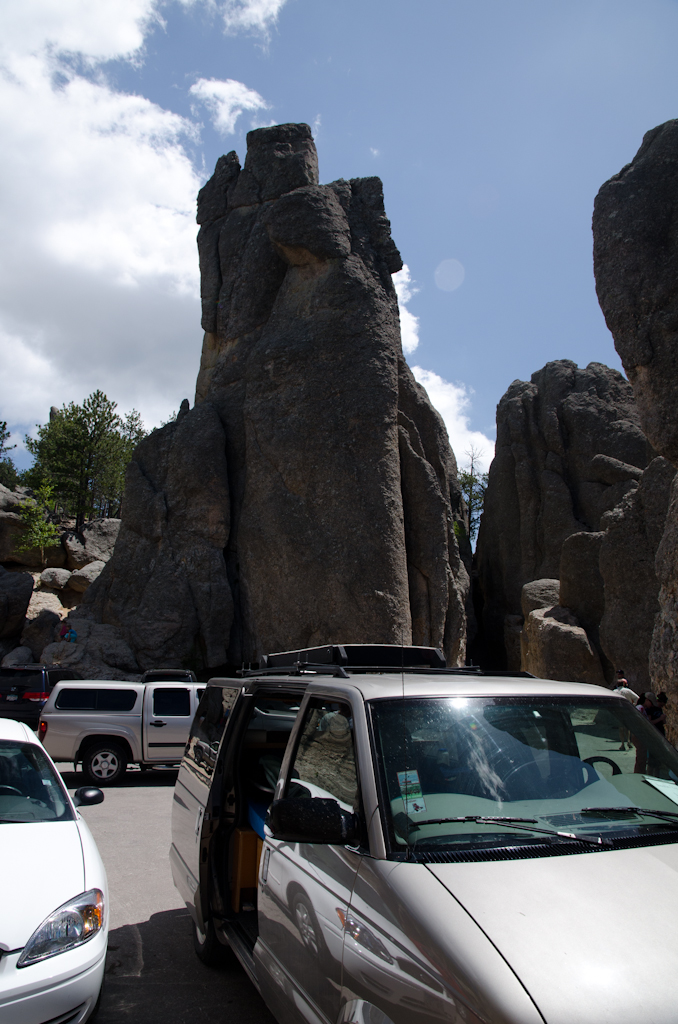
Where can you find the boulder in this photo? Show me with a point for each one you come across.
(94, 543)
(554, 646)
(15, 595)
(10, 500)
(569, 447)
(82, 578)
(311, 495)
(99, 652)
(41, 630)
(19, 656)
(57, 579)
(539, 594)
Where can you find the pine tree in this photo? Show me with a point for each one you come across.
(82, 453)
(473, 486)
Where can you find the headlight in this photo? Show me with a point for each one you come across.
(70, 925)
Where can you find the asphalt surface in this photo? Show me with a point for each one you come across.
(152, 974)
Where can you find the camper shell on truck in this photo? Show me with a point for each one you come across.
(381, 839)
(107, 725)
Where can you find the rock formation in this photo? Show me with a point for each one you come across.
(569, 448)
(553, 643)
(636, 269)
(33, 604)
(310, 496)
(627, 565)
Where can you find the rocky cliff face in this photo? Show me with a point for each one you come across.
(310, 496)
(636, 269)
(569, 448)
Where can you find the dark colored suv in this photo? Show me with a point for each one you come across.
(25, 689)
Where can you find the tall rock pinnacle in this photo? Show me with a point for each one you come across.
(310, 496)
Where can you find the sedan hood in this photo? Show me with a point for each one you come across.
(41, 867)
(593, 937)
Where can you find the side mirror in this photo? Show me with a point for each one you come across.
(312, 821)
(87, 795)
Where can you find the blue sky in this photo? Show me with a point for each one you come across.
(491, 123)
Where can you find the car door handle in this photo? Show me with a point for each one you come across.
(158, 725)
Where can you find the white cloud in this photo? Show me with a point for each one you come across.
(453, 403)
(409, 323)
(226, 101)
(255, 15)
(99, 284)
(374, 152)
(95, 31)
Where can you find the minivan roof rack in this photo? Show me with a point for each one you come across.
(358, 656)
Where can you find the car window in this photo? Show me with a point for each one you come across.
(60, 676)
(171, 702)
(578, 764)
(208, 727)
(28, 680)
(30, 789)
(324, 762)
(86, 699)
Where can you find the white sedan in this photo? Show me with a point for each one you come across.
(53, 890)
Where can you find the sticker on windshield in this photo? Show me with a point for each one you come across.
(410, 788)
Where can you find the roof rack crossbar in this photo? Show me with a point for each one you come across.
(299, 668)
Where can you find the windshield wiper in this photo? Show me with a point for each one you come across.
(671, 816)
(524, 824)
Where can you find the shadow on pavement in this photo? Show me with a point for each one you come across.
(132, 779)
(154, 977)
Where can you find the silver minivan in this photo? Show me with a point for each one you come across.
(384, 843)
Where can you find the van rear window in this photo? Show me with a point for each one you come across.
(81, 699)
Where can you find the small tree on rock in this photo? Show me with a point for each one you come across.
(40, 532)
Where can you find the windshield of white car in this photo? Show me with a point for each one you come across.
(552, 767)
(30, 789)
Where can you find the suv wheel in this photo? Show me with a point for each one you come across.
(207, 946)
(104, 764)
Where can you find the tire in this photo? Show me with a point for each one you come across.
(104, 764)
(207, 947)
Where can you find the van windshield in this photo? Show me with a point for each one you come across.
(553, 769)
(30, 789)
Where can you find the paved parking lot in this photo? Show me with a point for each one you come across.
(152, 973)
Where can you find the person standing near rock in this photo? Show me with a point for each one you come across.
(625, 690)
(654, 711)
